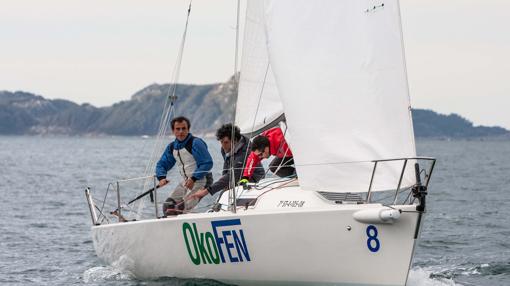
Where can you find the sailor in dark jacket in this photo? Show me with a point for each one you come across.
(241, 147)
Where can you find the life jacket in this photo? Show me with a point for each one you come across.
(186, 162)
(184, 158)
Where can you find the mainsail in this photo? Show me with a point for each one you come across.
(338, 70)
(258, 104)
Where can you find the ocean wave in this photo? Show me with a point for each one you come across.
(484, 269)
(424, 277)
(417, 277)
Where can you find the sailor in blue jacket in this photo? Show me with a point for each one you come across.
(193, 162)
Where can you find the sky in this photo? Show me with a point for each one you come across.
(104, 51)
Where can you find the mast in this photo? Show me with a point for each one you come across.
(232, 192)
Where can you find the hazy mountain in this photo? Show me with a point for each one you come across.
(208, 106)
(428, 123)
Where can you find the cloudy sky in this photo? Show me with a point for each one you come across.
(103, 51)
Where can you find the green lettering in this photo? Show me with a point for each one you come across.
(209, 238)
(201, 248)
(194, 258)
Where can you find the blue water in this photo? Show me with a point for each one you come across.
(45, 223)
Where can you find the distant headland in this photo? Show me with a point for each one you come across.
(208, 106)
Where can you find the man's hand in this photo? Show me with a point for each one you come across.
(162, 182)
(189, 183)
(198, 194)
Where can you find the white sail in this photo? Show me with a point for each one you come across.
(340, 71)
(258, 103)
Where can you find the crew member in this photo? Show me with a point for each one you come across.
(241, 147)
(270, 142)
(193, 162)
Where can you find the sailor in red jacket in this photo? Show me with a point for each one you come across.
(270, 142)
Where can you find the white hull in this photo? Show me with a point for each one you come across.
(347, 112)
(279, 245)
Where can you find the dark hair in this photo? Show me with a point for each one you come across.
(226, 131)
(180, 119)
(260, 143)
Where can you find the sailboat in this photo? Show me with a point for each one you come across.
(332, 75)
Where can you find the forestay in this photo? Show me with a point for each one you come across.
(340, 71)
(258, 104)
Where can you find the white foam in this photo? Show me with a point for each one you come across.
(421, 277)
(105, 273)
(118, 271)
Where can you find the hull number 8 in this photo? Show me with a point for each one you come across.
(373, 242)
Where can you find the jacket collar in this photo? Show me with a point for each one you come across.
(238, 147)
(178, 144)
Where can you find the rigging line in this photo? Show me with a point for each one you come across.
(159, 137)
(256, 111)
(169, 101)
(101, 214)
(198, 209)
(131, 159)
(391, 195)
(104, 200)
(402, 46)
(173, 86)
(105, 195)
(267, 184)
(160, 140)
(284, 162)
(408, 197)
(180, 54)
(107, 205)
(159, 144)
(333, 163)
(276, 181)
(158, 148)
(172, 90)
(302, 165)
(272, 189)
(236, 93)
(175, 79)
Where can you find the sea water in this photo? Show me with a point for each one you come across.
(45, 223)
